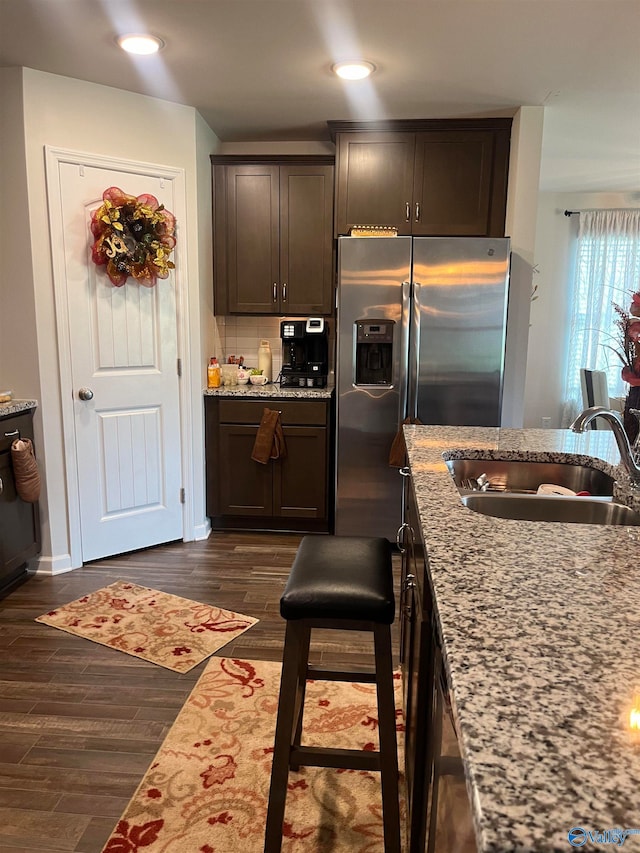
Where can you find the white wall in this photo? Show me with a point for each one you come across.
(522, 199)
(84, 117)
(18, 346)
(548, 344)
(203, 325)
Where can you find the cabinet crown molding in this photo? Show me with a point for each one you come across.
(276, 159)
(417, 125)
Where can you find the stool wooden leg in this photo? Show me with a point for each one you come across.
(289, 685)
(388, 741)
(305, 640)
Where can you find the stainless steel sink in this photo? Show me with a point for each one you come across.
(525, 477)
(551, 508)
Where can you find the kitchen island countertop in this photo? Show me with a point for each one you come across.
(540, 629)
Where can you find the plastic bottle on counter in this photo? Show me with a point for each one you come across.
(213, 373)
(264, 359)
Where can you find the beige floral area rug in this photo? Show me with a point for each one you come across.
(159, 627)
(207, 788)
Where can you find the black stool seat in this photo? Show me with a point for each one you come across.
(341, 577)
(344, 583)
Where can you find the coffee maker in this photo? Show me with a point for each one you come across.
(305, 353)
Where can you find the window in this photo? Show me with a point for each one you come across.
(607, 271)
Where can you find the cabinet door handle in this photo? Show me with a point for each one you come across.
(409, 583)
(11, 434)
(408, 594)
(407, 212)
(417, 211)
(404, 472)
(284, 291)
(399, 537)
(1, 486)
(275, 291)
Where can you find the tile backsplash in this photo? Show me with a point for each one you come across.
(242, 336)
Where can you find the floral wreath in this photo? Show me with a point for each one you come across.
(133, 237)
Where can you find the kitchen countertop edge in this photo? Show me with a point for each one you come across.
(14, 407)
(270, 391)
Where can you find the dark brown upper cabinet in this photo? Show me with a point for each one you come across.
(273, 235)
(427, 177)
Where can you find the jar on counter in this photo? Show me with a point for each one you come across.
(264, 359)
(213, 373)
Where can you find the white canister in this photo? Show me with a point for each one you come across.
(264, 359)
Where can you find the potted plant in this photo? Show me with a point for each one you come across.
(628, 352)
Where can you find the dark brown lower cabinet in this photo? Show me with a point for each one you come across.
(19, 521)
(417, 663)
(290, 493)
(433, 767)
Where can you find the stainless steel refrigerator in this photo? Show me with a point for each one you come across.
(421, 330)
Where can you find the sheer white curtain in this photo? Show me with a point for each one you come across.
(607, 270)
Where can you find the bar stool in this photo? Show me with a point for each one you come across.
(345, 583)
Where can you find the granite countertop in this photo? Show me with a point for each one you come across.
(14, 407)
(270, 390)
(540, 628)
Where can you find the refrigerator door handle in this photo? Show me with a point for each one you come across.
(403, 379)
(414, 352)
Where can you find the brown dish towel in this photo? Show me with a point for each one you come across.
(25, 470)
(269, 443)
(398, 452)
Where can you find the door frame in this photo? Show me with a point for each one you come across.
(54, 157)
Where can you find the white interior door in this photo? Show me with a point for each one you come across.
(123, 352)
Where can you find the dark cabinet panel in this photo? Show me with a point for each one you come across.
(248, 219)
(287, 493)
(273, 248)
(375, 180)
(452, 183)
(19, 521)
(18, 524)
(306, 243)
(300, 480)
(438, 177)
(245, 486)
(430, 762)
(417, 672)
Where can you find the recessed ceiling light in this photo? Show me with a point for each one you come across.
(143, 45)
(356, 70)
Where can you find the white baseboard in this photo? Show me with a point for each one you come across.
(54, 565)
(202, 531)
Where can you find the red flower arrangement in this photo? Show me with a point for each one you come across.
(628, 323)
(134, 236)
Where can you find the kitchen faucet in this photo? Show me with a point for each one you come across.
(627, 456)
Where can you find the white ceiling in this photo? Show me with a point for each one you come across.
(260, 69)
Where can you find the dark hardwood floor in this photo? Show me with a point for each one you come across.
(80, 723)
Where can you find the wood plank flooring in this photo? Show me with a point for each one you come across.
(80, 723)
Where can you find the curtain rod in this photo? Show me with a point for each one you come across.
(595, 209)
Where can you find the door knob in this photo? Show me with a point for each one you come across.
(85, 394)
